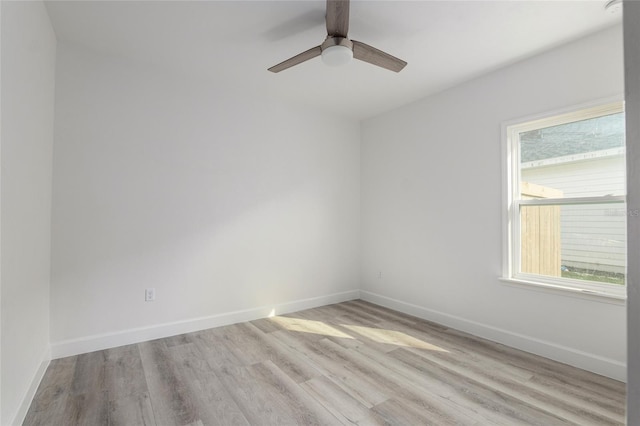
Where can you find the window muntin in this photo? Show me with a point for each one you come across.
(567, 211)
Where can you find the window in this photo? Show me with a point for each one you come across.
(566, 209)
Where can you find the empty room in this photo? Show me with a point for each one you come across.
(320, 212)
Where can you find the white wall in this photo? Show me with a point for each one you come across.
(222, 203)
(632, 98)
(28, 65)
(432, 208)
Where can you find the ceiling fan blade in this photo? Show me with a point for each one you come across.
(298, 59)
(369, 54)
(337, 18)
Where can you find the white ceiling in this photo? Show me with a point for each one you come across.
(232, 43)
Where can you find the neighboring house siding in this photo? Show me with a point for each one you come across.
(593, 236)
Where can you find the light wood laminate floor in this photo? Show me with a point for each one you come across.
(349, 363)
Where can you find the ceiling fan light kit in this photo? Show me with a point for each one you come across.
(337, 49)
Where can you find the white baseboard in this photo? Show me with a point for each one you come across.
(136, 335)
(586, 361)
(18, 419)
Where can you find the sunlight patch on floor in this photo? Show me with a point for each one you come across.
(393, 337)
(380, 335)
(309, 326)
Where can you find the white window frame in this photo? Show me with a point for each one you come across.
(512, 203)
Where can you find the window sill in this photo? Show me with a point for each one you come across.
(594, 295)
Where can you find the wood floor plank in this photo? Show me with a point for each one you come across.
(90, 372)
(441, 399)
(126, 387)
(171, 400)
(244, 344)
(360, 387)
(363, 308)
(289, 361)
(51, 398)
(548, 399)
(347, 363)
(563, 380)
(535, 364)
(266, 399)
(87, 409)
(510, 379)
(305, 409)
(490, 366)
(123, 372)
(496, 406)
(511, 358)
(266, 325)
(213, 345)
(398, 412)
(88, 403)
(256, 405)
(131, 410)
(338, 402)
(210, 399)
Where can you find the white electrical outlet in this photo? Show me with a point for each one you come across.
(150, 294)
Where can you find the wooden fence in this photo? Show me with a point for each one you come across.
(540, 232)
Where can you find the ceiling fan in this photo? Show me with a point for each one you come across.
(338, 49)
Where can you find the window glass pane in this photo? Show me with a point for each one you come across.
(580, 159)
(585, 241)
